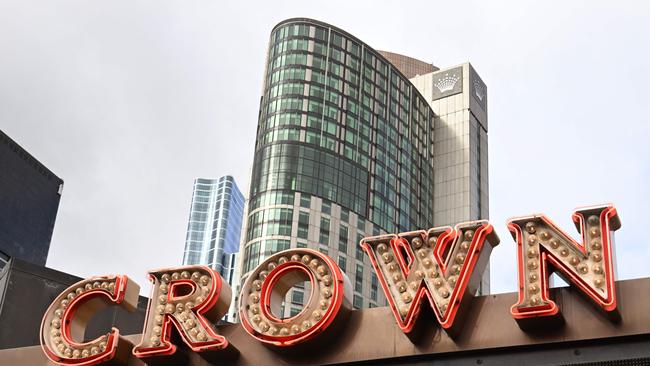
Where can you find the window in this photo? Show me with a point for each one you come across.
(318, 62)
(316, 91)
(312, 138)
(359, 252)
(321, 33)
(351, 137)
(329, 127)
(358, 279)
(343, 239)
(336, 54)
(345, 214)
(325, 224)
(251, 256)
(354, 48)
(357, 302)
(343, 262)
(303, 225)
(336, 69)
(333, 97)
(324, 236)
(274, 221)
(305, 200)
(326, 208)
(373, 286)
(320, 48)
(313, 122)
(297, 297)
(302, 168)
(337, 40)
(275, 245)
(328, 143)
(317, 77)
(272, 198)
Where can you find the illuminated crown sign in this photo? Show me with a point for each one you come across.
(447, 82)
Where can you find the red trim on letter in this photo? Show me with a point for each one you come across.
(67, 316)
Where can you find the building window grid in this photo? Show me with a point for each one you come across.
(377, 101)
(317, 171)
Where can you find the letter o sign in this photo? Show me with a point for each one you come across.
(264, 290)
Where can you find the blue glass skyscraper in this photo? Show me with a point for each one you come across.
(213, 231)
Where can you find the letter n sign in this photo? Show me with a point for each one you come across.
(542, 248)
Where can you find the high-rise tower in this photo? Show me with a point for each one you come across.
(345, 148)
(214, 228)
(29, 201)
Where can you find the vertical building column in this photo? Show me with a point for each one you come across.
(458, 98)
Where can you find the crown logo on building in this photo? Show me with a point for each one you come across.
(479, 90)
(447, 82)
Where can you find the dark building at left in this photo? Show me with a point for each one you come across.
(29, 200)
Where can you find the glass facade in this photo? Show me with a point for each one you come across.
(214, 228)
(344, 150)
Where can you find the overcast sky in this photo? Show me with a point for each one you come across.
(128, 101)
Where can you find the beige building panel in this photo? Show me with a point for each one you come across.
(460, 156)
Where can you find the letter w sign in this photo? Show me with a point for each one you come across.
(442, 264)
